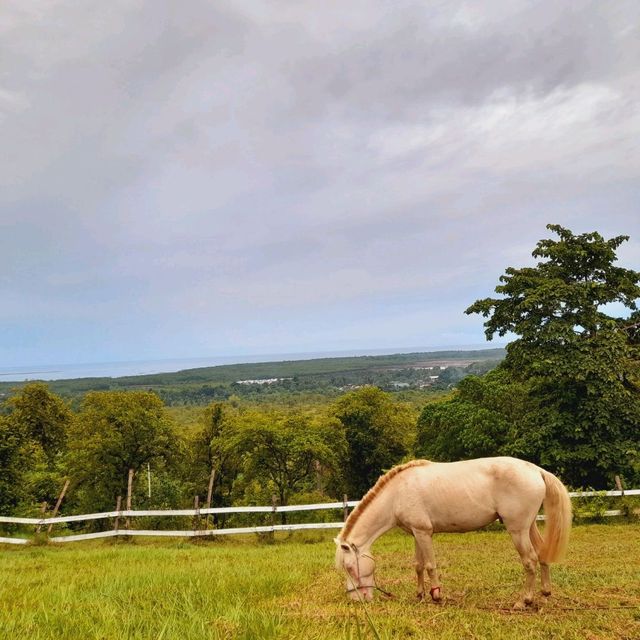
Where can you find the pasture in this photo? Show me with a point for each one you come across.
(243, 589)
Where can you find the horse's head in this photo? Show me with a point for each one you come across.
(359, 567)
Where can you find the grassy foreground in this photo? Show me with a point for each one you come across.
(242, 589)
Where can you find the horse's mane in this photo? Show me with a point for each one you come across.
(374, 491)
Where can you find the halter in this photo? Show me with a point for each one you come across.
(357, 587)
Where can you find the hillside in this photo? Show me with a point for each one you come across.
(436, 369)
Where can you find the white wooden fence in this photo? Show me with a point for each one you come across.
(197, 532)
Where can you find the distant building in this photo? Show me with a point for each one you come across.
(262, 381)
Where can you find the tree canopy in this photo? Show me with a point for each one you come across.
(209, 449)
(379, 432)
(286, 448)
(573, 367)
(116, 431)
(33, 442)
(561, 299)
(10, 464)
(40, 416)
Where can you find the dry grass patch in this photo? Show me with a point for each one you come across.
(596, 592)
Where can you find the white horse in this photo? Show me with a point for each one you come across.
(424, 498)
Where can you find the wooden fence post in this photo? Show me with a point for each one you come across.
(196, 517)
(43, 511)
(129, 490)
(274, 507)
(345, 507)
(59, 502)
(210, 494)
(619, 484)
(116, 523)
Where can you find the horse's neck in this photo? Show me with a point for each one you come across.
(376, 519)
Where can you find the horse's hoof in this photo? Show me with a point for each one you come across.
(419, 597)
(436, 596)
(546, 594)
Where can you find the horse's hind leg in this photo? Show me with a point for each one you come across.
(426, 559)
(545, 578)
(529, 559)
(545, 573)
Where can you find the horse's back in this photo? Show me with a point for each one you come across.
(469, 494)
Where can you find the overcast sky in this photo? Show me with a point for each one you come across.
(186, 179)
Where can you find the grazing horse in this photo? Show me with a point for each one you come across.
(424, 498)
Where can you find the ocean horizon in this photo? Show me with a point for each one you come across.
(171, 365)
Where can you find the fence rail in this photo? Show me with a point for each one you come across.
(201, 533)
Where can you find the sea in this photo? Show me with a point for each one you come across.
(143, 367)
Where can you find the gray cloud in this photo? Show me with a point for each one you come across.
(222, 177)
(424, 56)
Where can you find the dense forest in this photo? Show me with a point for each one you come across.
(565, 394)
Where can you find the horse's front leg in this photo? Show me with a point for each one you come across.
(424, 548)
(419, 571)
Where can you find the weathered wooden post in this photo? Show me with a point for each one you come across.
(274, 509)
(129, 490)
(210, 494)
(345, 507)
(116, 522)
(619, 484)
(43, 511)
(59, 502)
(196, 517)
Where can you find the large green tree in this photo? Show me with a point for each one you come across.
(380, 432)
(116, 431)
(484, 418)
(40, 416)
(39, 420)
(577, 363)
(209, 449)
(11, 466)
(286, 449)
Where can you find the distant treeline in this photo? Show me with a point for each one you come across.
(324, 376)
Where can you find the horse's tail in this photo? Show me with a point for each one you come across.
(557, 508)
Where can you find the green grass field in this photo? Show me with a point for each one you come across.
(244, 589)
